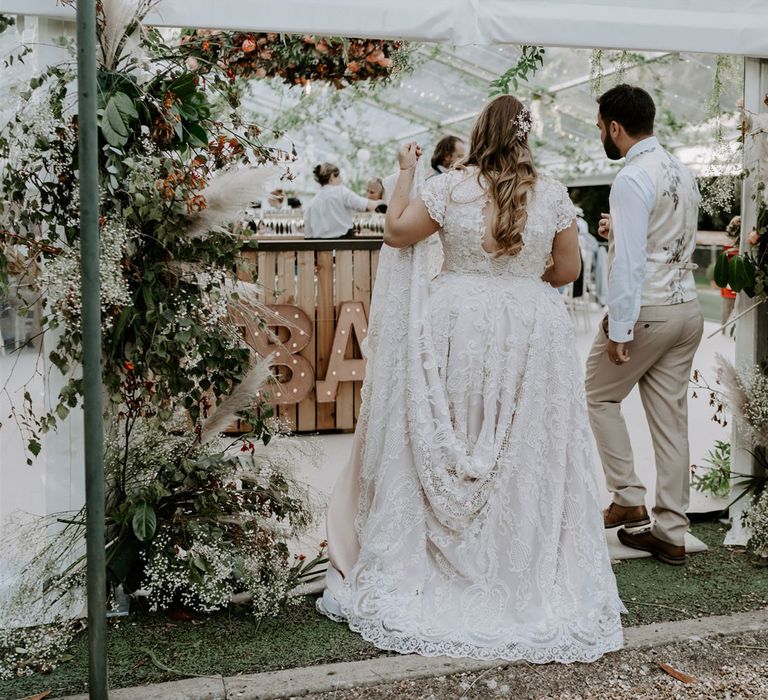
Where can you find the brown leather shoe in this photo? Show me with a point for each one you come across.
(643, 539)
(629, 516)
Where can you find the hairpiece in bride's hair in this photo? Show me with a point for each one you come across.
(523, 123)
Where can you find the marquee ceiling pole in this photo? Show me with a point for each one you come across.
(88, 165)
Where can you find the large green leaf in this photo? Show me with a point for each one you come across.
(737, 275)
(116, 119)
(750, 274)
(144, 522)
(197, 135)
(112, 137)
(722, 271)
(123, 561)
(125, 106)
(183, 86)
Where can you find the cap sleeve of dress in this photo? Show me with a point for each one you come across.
(435, 197)
(565, 211)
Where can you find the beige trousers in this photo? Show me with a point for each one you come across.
(661, 355)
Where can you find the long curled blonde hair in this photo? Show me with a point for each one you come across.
(499, 149)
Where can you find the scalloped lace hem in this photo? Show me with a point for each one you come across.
(565, 651)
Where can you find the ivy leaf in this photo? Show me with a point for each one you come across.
(144, 522)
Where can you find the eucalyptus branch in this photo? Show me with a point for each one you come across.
(531, 59)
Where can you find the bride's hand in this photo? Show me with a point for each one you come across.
(604, 226)
(408, 155)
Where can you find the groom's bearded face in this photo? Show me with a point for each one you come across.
(611, 149)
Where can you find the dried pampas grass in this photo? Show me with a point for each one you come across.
(746, 391)
(119, 28)
(239, 400)
(226, 196)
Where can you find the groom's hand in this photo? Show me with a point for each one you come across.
(618, 353)
(604, 226)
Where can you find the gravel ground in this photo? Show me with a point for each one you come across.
(721, 668)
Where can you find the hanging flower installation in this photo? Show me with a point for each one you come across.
(297, 60)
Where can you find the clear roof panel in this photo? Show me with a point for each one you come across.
(359, 129)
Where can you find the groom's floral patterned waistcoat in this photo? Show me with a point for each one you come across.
(671, 229)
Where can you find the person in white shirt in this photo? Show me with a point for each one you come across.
(375, 189)
(448, 151)
(276, 201)
(329, 214)
(653, 327)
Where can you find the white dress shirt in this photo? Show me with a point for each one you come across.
(632, 198)
(329, 214)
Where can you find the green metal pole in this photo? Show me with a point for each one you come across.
(92, 384)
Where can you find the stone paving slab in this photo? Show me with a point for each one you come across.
(329, 677)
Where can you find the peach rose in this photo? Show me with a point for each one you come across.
(260, 73)
(375, 56)
(385, 63)
(353, 67)
(249, 45)
(192, 63)
(753, 238)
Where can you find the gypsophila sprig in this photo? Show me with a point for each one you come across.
(195, 524)
(756, 523)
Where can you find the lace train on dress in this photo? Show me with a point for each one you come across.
(467, 523)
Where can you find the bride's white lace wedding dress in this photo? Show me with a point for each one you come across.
(468, 522)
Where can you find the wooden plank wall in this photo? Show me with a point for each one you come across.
(318, 281)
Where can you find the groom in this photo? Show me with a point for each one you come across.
(653, 326)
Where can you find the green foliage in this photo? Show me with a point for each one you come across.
(746, 272)
(6, 21)
(531, 59)
(164, 295)
(717, 477)
(194, 523)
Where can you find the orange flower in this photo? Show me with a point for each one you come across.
(206, 46)
(248, 46)
(375, 56)
(128, 365)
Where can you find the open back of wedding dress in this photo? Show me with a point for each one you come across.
(467, 522)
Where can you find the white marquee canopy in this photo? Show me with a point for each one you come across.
(737, 27)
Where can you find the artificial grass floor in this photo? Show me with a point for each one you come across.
(717, 582)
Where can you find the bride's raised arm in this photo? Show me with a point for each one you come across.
(566, 260)
(407, 223)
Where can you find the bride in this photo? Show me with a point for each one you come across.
(467, 522)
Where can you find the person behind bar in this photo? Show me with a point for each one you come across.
(449, 151)
(329, 214)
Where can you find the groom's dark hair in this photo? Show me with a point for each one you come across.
(630, 106)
